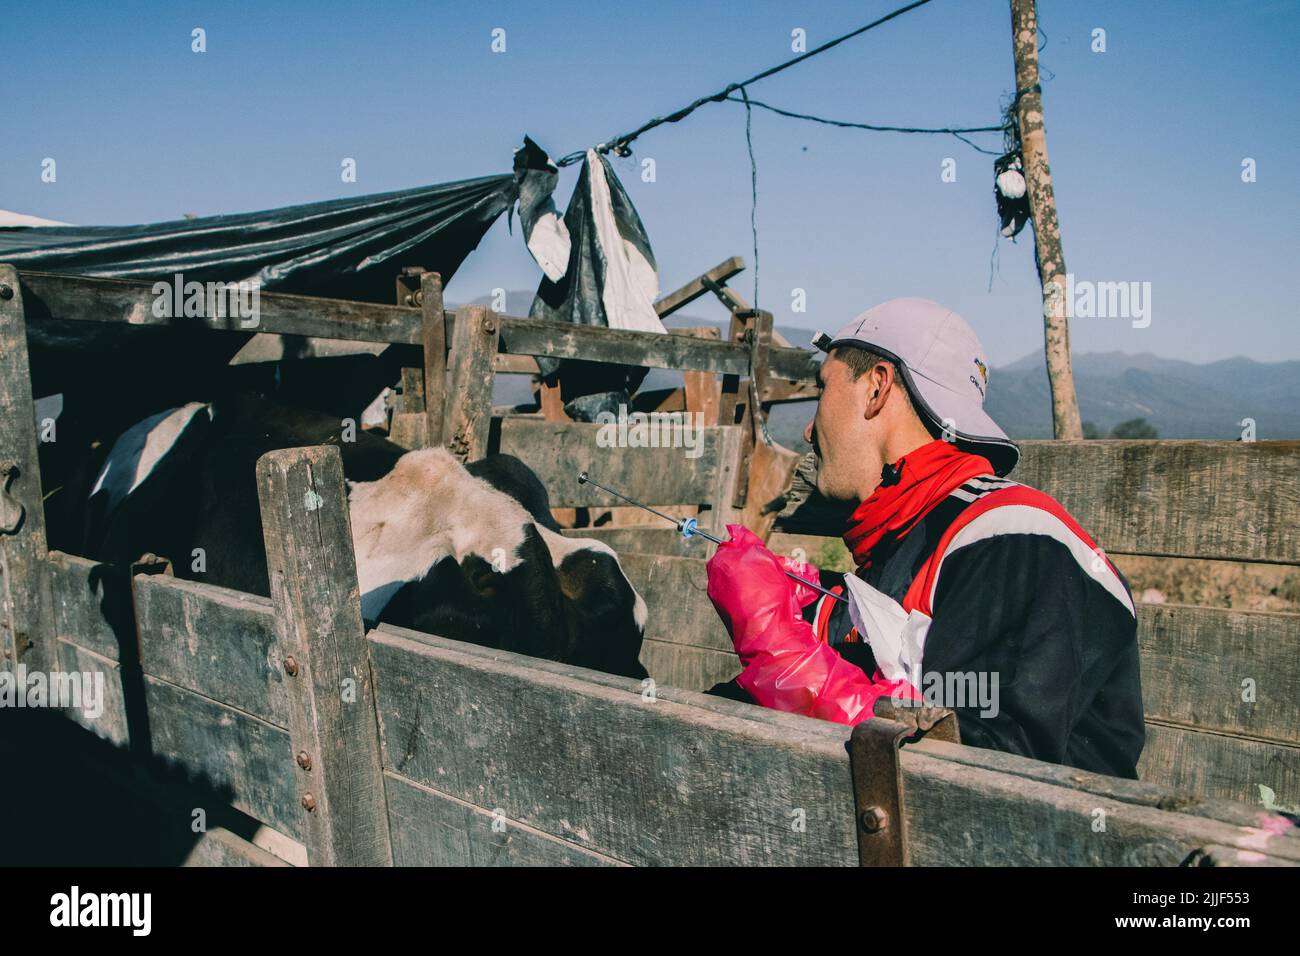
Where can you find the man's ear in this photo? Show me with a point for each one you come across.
(877, 384)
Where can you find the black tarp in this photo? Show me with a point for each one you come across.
(340, 248)
(112, 374)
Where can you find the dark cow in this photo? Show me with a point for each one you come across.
(466, 552)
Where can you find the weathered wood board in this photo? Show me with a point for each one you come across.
(1220, 766)
(220, 847)
(557, 452)
(1229, 671)
(432, 829)
(111, 722)
(1201, 499)
(213, 641)
(1204, 499)
(661, 781)
(247, 761)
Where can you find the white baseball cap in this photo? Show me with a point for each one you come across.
(945, 367)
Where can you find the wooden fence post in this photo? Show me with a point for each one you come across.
(468, 421)
(26, 618)
(435, 355)
(333, 730)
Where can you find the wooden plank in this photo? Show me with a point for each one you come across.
(675, 592)
(1195, 661)
(131, 302)
(688, 293)
(111, 723)
(91, 603)
(409, 429)
(562, 340)
(434, 332)
(26, 608)
(1220, 766)
(244, 759)
(504, 363)
(469, 397)
(432, 829)
(220, 847)
(214, 641)
(558, 451)
(703, 781)
(332, 724)
(690, 668)
(1206, 499)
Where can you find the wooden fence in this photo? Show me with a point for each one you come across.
(401, 747)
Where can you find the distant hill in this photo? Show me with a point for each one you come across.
(1181, 399)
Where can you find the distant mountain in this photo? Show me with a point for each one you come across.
(1181, 399)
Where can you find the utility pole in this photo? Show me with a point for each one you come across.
(1047, 231)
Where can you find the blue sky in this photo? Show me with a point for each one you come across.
(1146, 140)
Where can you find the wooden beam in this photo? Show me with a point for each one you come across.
(333, 734)
(434, 330)
(562, 340)
(671, 474)
(26, 611)
(450, 719)
(78, 298)
(696, 287)
(467, 424)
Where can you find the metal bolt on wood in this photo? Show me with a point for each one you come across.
(873, 820)
(291, 667)
(308, 802)
(6, 291)
(304, 760)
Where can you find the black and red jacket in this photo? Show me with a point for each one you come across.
(1016, 590)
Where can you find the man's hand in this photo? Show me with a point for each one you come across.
(785, 666)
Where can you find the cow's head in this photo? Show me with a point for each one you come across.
(445, 552)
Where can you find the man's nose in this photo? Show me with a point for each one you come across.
(808, 431)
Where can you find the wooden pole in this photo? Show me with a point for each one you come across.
(333, 727)
(1047, 231)
(26, 619)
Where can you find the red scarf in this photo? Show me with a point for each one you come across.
(926, 476)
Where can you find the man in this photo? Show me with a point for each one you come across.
(960, 571)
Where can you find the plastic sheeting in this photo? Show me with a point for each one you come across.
(340, 248)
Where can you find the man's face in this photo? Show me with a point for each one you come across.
(839, 433)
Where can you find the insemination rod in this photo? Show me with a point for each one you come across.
(688, 528)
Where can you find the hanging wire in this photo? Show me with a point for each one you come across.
(846, 124)
(753, 187)
(620, 144)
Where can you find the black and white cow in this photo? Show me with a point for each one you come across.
(466, 552)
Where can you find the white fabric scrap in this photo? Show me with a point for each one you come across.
(897, 638)
(631, 283)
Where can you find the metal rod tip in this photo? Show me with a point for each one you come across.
(582, 477)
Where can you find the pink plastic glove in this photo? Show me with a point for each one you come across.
(785, 666)
(803, 594)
